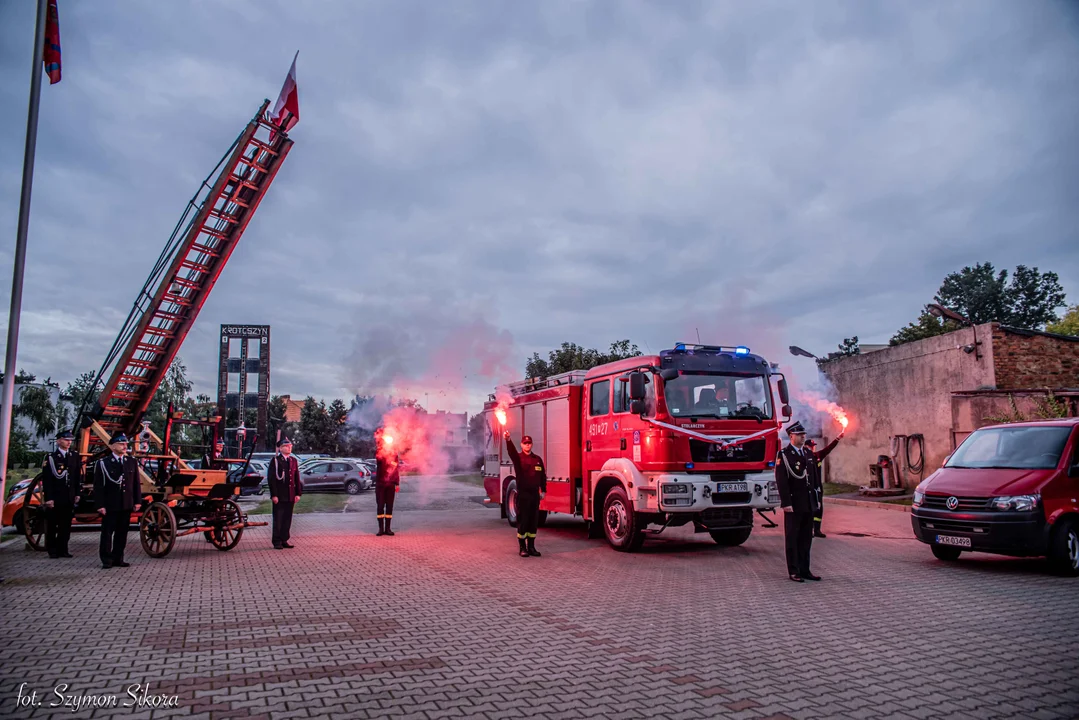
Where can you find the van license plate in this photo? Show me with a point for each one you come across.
(732, 487)
(953, 540)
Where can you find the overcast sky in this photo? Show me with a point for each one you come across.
(488, 179)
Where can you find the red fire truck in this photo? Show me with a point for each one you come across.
(643, 444)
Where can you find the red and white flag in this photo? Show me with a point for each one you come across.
(51, 51)
(286, 111)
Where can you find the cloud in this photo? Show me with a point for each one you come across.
(554, 171)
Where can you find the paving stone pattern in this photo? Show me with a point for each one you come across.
(445, 620)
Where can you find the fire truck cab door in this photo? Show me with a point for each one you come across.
(599, 426)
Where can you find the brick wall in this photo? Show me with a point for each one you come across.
(1024, 359)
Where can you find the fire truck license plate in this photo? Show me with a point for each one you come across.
(732, 487)
(953, 540)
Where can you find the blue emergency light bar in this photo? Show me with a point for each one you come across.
(684, 347)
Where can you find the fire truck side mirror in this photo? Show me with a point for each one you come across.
(637, 407)
(784, 393)
(787, 412)
(637, 390)
(669, 374)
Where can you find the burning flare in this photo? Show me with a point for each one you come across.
(500, 413)
(387, 439)
(827, 406)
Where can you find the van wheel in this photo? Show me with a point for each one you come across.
(731, 538)
(620, 522)
(946, 553)
(1064, 549)
(509, 504)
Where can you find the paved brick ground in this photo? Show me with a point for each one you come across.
(444, 620)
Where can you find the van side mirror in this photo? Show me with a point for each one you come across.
(669, 374)
(1073, 471)
(637, 390)
(784, 392)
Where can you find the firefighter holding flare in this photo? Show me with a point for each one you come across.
(387, 479)
(531, 487)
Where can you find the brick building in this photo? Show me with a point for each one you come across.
(943, 388)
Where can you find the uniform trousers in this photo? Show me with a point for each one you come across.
(282, 521)
(57, 529)
(114, 536)
(798, 537)
(384, 495)
(527, 514)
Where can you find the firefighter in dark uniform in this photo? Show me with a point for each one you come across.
(387, 481)
(212, 460)
(818, 479)
(62, 484)
(795, 481)
(283, 477)
(531, 487)
(116, 495)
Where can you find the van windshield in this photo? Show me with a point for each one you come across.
(1020, 448)
(718, 395)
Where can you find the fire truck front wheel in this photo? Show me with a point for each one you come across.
(621, 525)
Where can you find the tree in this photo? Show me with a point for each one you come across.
(981, 294)
(21, 378)
(82, 389)
(316, 433)
(36, 406)
(338, 424)
(1068, 325)
(848, 347)
(571, 356)
(927, 326)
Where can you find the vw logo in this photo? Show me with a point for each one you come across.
(952, 503)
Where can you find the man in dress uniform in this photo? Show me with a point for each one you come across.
(531, 487)
(116, 495)
(818, 479)
(387, 481)
(212, 460)
(283, 477)
(795, 481)
(62, 484)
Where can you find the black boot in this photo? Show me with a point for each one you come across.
(388, 531)
(532, 548)
(524, 550)
(381, 527)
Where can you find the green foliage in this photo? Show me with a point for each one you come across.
(21, 449)
(982, 294)
(848, 347)
(571, 356)
(21, 378)
(476, 432)
(1048, 408)
(927, 326)
(1068, 325)
(316, 432)
(36, 406)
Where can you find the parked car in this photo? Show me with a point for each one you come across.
(17, 487)
(337, 474)
(1007, 489)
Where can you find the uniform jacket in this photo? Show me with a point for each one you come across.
(794, 477)
(63, 477)
(387, 470)
(283, 477)
(116, 483)
(528, 469)
(210, 461)
(815, 465)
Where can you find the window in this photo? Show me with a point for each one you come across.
(599, 400)
(341, 467)
(622, 401)
(718, 395)
(1025, 448)
(320, 469)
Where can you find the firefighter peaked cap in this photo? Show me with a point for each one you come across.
(118, 438)
(795, 428)
(65, 435)
(283, 441)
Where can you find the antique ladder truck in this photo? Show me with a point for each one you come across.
(177, 499)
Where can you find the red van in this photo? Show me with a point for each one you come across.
(1008, 489)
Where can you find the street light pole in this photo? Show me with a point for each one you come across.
(8, 400)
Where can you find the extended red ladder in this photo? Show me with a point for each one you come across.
(185, 273)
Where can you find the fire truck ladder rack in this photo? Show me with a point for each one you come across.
(183, 276)
(573, 377)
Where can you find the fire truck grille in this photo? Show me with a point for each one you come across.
(735, 498)
(705, 452)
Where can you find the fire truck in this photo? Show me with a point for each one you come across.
(647, 443)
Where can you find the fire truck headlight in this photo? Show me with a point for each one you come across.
(675, 489)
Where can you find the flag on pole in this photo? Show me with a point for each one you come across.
(286, 111)
(51, 52)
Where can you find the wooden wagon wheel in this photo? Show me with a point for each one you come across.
(157, 530)
(223, 537)
(33, 514)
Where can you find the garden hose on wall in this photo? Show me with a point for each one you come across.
(919, 466)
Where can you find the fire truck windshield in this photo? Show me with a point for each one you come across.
(718, 395)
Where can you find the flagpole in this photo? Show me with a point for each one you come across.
(20, 247)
